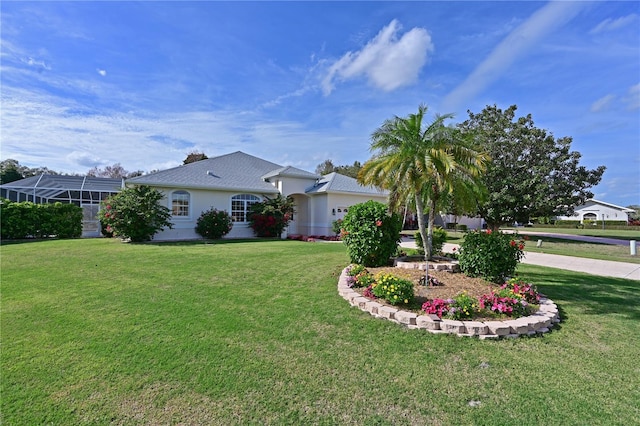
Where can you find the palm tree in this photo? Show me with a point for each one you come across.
(423, 163)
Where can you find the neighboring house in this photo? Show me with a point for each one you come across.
(598, 210)
(84, 191)
(233, 182)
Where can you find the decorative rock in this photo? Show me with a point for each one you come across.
(475, 328)
(453, 326)
(387, 312)
(489, 336)
(429, 322)
(405, 317)
(361, 302)
(372, 307)
(498, 328)
(517, 327)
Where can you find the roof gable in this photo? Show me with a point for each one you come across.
(335, 182)
(602, 203)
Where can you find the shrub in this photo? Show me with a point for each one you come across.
(437, 241)
(439, 307)
(26, 219)
(336, 227)
(504, 301)
(493, 256)
(370, 233)
(462, 307)
(135, 213)
(214, 224)
(523, 290)
(270, 217)
(393, 289)
(359, 276)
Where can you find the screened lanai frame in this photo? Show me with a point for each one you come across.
(44, 189)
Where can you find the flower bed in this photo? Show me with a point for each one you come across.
(537, 323)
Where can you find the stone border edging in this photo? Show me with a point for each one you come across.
(538, 323)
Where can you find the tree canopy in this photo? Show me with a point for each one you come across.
(327, 167)
(531, 173)
(11, 170)
(423, 162)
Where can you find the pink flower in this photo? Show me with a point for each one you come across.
(378, 223)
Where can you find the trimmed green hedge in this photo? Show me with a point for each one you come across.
(29, 220)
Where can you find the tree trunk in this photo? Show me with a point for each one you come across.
(423, 234)
(432, 219)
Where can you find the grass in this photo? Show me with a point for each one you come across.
(100, 332)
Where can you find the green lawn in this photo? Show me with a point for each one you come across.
(631, 234)
(100, 332)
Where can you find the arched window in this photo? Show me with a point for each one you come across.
(589, 216)
(180, 203)
(240, 205)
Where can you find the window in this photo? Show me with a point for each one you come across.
(180, 203)
(240, 205)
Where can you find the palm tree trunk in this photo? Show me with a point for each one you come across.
(423, 234)
(432, 220)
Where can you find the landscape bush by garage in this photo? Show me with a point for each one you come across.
(29, 220)
(370, 233)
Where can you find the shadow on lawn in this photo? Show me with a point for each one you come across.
(598, 295)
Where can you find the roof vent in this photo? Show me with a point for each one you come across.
(209, 172)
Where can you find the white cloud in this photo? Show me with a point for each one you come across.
(517, 43)
(633, 97)
(610, 24)
(36, 63)
(388, 61)
(102, 72)
(602, 104)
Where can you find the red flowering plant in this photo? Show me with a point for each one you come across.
(271, 217)
(505, 301)
(439, 307)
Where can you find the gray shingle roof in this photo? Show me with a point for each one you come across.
(335, 182)
(232, 172)
(290, 171)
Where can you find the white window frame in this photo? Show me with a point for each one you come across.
(246, 201)
(181, 195)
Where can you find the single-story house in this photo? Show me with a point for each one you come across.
(233, 182)
(598, 210)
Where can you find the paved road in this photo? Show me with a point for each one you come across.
(604, 268)
(585, 238)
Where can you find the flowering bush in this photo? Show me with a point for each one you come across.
(505, 301)
(270, 218)
(438, 307)
(493, 256)
(359, 276)
(522, 289)
(370, 233)
(462, 307)
(393, 289)
(214, 224)
(135, 213)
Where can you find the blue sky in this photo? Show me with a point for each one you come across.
(89, 84)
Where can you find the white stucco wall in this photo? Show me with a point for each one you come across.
(200, 200)
(323, 206)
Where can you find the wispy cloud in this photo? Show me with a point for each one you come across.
(102, 72)
(632, 99)
(610, 24)
(388, 60)
(603, 103)
(516, 44)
